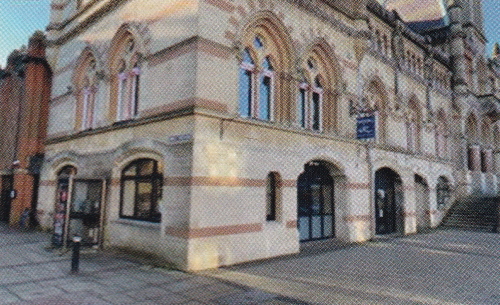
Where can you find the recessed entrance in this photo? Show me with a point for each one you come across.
(388, 200)
(315, 197)
(82, 198)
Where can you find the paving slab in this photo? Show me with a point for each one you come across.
(438, 268)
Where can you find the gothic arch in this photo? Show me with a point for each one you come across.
(86, 79)
(125, 67)
(414, 124)
(320, 67)
(376, 97)
(471, 127)
(268, 27)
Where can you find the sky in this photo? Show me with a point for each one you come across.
(19, 19)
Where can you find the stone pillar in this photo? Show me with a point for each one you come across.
(474, 158)
(488, 153)
(433, 208)
(408, 211)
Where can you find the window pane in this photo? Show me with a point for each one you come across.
(122, 88)
(245, 95)
(267, 64)
(327, 199)
(131, 170)
(135, 96)
(144, 190)
(265, 98)
(128, 198)
(146, 167)
(302, 108)
(316, 105)
(258, 42)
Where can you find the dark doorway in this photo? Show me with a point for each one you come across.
(6, 197)
(315, 199)
(78, 209)
(388, 196)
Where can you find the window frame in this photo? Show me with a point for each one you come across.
(273, 191)
(126, 84)
(155, 179)
(258, 67)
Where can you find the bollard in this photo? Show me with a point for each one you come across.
(75, 258)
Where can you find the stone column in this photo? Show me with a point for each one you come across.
(474, 157)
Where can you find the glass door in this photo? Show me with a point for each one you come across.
(85, 211)
(315, 203)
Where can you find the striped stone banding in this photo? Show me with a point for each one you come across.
(358, 218)
(213, 231)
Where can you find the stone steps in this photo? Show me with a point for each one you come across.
(478, 214)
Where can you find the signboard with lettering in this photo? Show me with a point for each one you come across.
(366, 127)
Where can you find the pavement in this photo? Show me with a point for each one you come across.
(32, 274)
(441, 267)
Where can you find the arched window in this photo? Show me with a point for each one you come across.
(127, 73)
(256, 82)
(311, 92)
(376, 99)
(413, 128)
(86, 83)
(267, 63)
(273, 190)
(89, 91)
(141, 191)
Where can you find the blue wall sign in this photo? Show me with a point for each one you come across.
(365, 128)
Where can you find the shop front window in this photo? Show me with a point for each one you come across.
(141, 186)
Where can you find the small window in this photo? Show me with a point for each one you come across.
(311, 63)
(258, 43)
(141, 185)
(272, 194)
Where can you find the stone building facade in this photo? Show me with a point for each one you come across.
(214, 132)
(24, 100)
